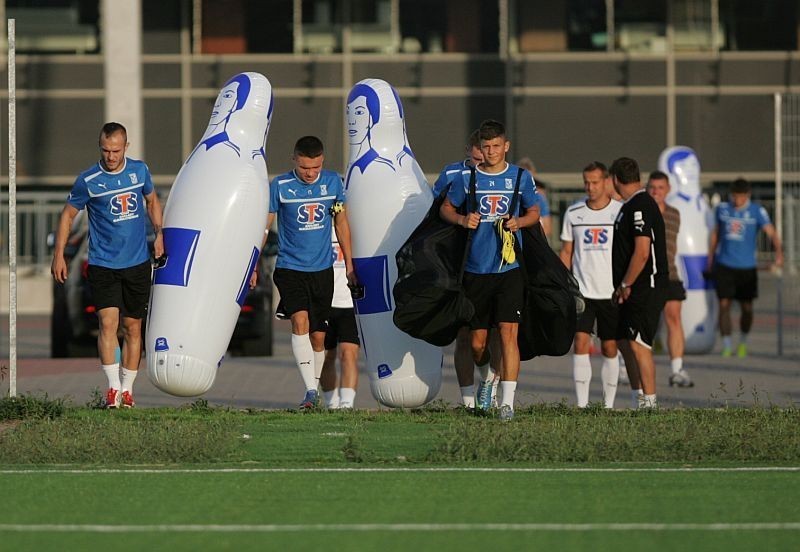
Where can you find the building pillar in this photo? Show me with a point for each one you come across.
(121, 31)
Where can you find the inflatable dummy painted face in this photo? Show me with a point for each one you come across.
(363, 111)
(683, 167)
(231, 98)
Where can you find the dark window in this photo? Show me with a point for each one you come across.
(55, 26)
(762, 25)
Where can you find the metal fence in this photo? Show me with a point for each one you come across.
(37, 216)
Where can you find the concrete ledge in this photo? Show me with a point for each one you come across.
(34, 291)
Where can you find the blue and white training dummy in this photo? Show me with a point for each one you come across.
(387, 197)
(214, 224)
(699, 311)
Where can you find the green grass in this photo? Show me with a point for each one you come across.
(356, 480)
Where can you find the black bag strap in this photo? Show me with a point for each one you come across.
(472, 203)
(514, 199)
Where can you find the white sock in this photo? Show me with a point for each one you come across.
(319, 361)
(127, 379)
(650, 401)
(743, 339)
(623, 371)
(676, 364)
(468, 396)
(609, 374)
(635, 396)
(331, 399)
(112, 373)
(582, 374)
(304, 357)
(508, 388)
(347, 397)
(726, 342)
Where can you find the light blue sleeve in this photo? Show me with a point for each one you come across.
(441, 183)
(762, 217)
(148, 180)
(457, 193)
(274, 203)
(527, 190)
(79, 195)
(340, 195)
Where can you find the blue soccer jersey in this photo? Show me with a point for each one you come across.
(117, 211)
(447, 175)
(544, 205)
(736, 231)
(493, 193)
(304, 219)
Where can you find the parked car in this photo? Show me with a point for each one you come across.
(74, 324)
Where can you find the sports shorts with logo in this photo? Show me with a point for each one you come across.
(306, 291)
(127, 289)
(639, 315)
(497, 297)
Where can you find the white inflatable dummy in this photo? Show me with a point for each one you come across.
(214, 224)
(387, 197)
(699, 311)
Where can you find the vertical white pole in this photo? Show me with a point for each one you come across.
(779, 208)
(12, 209)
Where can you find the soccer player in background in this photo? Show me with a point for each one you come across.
(586, 240)
(658, 187)
(309, 202)
(341, 336)
(732, 259)
(462, 355)
(639, 258)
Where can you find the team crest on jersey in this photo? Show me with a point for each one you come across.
(124, 206)
(133, 178)
(493, 205)
(324, 189)
(638, 221)
(311, 215)
(509, 183)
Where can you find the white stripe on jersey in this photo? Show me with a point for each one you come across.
(591, 232)
(117, 190)
(88, 178)
(304, 199)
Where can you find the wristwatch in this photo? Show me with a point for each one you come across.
(623, 285)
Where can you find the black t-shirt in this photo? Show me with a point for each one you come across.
(640, 216)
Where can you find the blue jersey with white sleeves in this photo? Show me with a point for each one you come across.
(116, 209)
(304, 219)
(447, 175)
(494, 193)
(737, 230)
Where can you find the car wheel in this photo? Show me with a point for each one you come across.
(60, 330)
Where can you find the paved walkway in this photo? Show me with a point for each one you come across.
(274, 382)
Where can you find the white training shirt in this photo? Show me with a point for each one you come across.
(591, 232)
(341, 293)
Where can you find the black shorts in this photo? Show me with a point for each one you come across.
(676, 291)
(497, 297)
(306, 291)
(127, 289)
(640, 314)
(736, 283)
(341, 328)
(605, 312)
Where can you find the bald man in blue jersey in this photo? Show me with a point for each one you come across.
(117, 193)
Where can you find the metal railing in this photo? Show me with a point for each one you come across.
(37, 216)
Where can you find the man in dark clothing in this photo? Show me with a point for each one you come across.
(639, 262)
